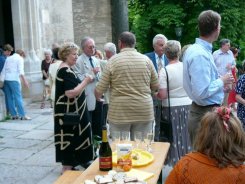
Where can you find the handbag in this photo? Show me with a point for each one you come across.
(166, 132)
(71, 118)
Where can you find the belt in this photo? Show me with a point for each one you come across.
(207, 106)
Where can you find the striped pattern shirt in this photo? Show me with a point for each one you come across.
(129, 75)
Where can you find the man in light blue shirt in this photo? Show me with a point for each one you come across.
(201, 80)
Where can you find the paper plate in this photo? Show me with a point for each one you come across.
(144, 158)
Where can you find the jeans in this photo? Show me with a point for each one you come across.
(13, 93)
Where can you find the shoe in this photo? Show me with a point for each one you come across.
(14, 117)
(42, 105)
(25, 118)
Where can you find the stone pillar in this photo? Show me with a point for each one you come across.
(26, 37)
(2, 106)
(119, 14)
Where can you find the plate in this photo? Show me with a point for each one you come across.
(144, 158)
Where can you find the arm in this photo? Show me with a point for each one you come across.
(203, 81)
(78, 89)
(162, 94)
(239, 99)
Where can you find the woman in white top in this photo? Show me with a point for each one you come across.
(179, 102)
(13, 72)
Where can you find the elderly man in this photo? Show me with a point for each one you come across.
(110, 50)
(159, 60)
(202, 82)
(131, 77)
(86, 65)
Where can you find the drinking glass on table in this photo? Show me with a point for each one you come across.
(125, 136)
(148, 139)
(116, 137)
(138, 138)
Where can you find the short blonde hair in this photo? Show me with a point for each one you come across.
(66, 49)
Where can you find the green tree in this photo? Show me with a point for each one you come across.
(150, 17)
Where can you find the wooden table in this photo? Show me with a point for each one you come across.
(160, 150)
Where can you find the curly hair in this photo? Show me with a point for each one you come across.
(221, 139)
(66, 49)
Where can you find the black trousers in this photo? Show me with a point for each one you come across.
(96, 117)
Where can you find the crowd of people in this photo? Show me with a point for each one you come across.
(193, 89)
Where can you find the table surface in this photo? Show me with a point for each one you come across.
(159, 150)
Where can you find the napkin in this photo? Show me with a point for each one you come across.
(141, 175)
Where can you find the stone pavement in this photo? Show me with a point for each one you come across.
(27, 153)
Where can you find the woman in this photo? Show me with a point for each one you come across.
(240, 98)
(52, 73)
(73, 143)
(45, 67)
(13, 72)
(220, 152)
(179, 102)
(232, 95)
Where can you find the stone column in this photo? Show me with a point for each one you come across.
(26, 37)
(119, 11)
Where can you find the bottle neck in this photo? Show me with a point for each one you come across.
(104, 136)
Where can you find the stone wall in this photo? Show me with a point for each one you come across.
(92, 18)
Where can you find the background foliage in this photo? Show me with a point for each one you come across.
(150, 17)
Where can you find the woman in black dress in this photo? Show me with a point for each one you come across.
(73, 143)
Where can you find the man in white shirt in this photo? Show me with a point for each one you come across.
(224, 61)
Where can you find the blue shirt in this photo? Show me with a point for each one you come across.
(2, 61)
(201, 80)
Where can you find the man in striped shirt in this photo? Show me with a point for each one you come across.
(131, 77)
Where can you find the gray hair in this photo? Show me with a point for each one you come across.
(110, 47)
(224, 41)
(172, 49)
(159, 37)
(84, 40)
(47, 51)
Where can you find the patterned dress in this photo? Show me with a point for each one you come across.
(73, 143)
(240, 89)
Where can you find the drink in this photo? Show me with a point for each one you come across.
(105, 153)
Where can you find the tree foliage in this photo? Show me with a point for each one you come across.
(150, 17)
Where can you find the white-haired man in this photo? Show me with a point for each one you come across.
(159, 60)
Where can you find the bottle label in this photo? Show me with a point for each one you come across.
(105, 162)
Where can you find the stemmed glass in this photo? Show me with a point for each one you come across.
(125, 136)
(116, 137)
(137, 138)
(148, 139)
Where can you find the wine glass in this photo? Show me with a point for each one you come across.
(148, 138)
(125, 136)
(137, 138)
(116, 135)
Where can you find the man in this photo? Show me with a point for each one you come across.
(110, 50)
(159, 60)
(131, 77)
(201, 80)
(224, 61)
(13, 72)
(87, 64)
(7, 49)
(157, 56)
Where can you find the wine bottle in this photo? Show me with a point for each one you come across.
(105, 153)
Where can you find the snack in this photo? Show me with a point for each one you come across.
(124, 159)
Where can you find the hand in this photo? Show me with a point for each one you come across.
(227, 78)
(89, 78)
(96, 70)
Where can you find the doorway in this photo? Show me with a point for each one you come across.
(6, 23)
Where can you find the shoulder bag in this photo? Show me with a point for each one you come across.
(166, 134)
(71, 118)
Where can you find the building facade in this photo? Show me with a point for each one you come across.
(33, 25)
